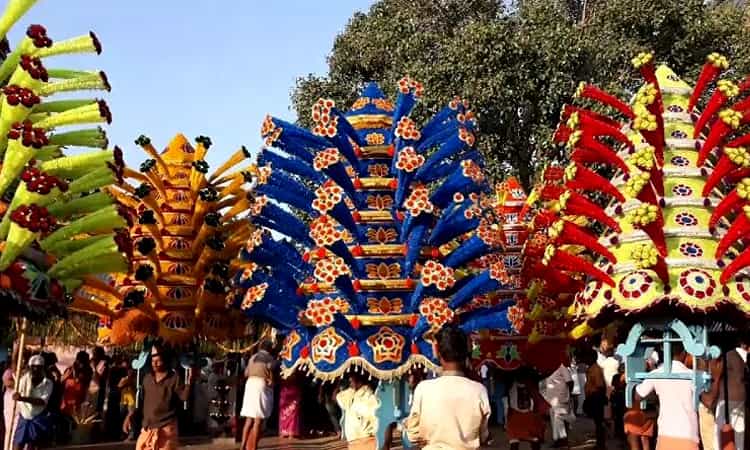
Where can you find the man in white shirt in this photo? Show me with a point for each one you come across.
(557, 388)
(452, 411)
(34, 389)
(359, 404)
(678, 417)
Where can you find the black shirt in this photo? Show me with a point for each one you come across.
(161, 400)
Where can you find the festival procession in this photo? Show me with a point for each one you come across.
(389, 224)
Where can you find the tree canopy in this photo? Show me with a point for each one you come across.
(519, 63)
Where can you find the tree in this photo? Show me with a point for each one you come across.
(519, 63)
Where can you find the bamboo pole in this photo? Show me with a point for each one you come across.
(19, 366)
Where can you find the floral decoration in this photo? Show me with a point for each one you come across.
(409, 160)
(326, 158)
(418, 201)
(254, 295)
(325, 345)
(407, 129)
(436, 311)
(434, 273)
(327, 197)
(387, 345)
(324, 231)
(327, 270)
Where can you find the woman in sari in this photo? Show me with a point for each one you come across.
(290, 403)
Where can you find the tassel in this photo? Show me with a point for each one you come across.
(736, 198)
(742, 105)
(715, 63)
(579, 177)
(739, 263)
(729, 120)
(568, 110)
(740, 141)
(649, 118)
(648, 218)
(565, 232)
(647, 194)
(576, 204)
(561, 260)
(145, 143)
(736, 175)
(562, 134)
(597, 128)
(739, 229)
(731, 159)
(725, 91)
(593, 151)
(593, 93)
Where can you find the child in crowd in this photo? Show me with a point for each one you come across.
(525, 411)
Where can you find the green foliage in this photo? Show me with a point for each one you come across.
(518, 65)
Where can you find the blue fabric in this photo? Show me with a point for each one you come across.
(500, 389)
(32, 431)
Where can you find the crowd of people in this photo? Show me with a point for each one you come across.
(663, 415)
(452, 411)
(47, 404)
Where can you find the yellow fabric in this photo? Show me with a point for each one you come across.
(127, 397)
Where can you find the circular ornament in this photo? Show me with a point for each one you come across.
(691, 250)
(697, 283)
(680, 161)
(682, 190)
(686, 219)
(635, 284)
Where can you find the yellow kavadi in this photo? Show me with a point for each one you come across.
(187, 232)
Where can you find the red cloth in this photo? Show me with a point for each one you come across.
(290, 402)
(524, 426)
(637, 423)
(74, 394)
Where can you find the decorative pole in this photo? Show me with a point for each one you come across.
(19, 367)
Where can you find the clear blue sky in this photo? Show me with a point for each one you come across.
(196, 66)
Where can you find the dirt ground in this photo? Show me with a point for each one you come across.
(581, 435)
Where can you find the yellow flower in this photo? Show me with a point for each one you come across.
(738, 155)
(579, 89)
(646, 95)
(643, 158)
(746, 210)
(645, 256)
(643, 215)
(743, 188)
(555, 230)
(635, 183)
(561, 202)
(573, 139)
(573, 121)
(549, 252)
(718, 60)
(731, 117)
(728, 88)
(570, 171)
(642, 59)
(644, 120)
